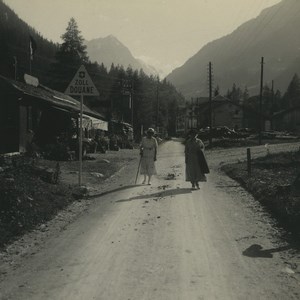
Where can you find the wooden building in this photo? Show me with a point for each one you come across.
(287, 120)
(37, 112)
(224, 113)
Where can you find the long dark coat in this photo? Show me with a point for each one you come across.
(196, 165)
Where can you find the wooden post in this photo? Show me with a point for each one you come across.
(80, 142)
(272, 105)
(157, 104)
(249, 161)
(260, 101)
(210, 104)
(16, 67)
(131, 106)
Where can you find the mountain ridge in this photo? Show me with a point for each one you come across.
(236, 56)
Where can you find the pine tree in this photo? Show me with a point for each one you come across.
(72, 49)
(217, 91)
(292, 95)
(71, 54)
(235, 94)
(245, 94)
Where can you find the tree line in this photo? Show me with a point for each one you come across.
(273, 101)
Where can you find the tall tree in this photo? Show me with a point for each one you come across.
(246, 95)
(71, 54)
(72, 49)
(292, 95)
(235, 94)
(217, 91)
(277, 101)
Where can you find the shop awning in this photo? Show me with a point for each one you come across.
(93, 123)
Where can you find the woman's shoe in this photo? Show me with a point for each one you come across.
(197, 185)
(149, 183)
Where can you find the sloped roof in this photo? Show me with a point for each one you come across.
(285, 111)
(220, 98)
(52, 97)
(216, 102)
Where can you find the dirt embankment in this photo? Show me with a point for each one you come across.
(275, 182)
(33, 191)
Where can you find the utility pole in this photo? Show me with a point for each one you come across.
(272, 104)
(127, 88)
(131, 105)
(197, 112)
(16, 67)
(260, 100)
(157, 104)
(192, 112)
(210, 104)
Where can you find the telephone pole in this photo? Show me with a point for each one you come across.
(157, 103)
(197, 112)
(16, 67)
(128, 90)
(272, 104)
(210, 104)
(260, 100)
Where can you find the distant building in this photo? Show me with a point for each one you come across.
(193, 113)
(287, 120)
(224, 113)
(180, 120)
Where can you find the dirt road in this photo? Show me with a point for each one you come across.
(164, 241)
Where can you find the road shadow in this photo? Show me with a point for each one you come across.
(121, 188)
(160, 194)
(256, 250)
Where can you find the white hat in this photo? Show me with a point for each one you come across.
(150, 130)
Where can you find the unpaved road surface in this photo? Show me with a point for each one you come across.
(164, 241)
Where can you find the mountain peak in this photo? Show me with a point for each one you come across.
(113, 39)
(110, 50)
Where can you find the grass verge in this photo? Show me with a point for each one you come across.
(275, 182)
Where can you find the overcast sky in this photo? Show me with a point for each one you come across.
(164, 33)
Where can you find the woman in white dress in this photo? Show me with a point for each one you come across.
(148, 152)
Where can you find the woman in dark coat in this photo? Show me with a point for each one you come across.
(196, 165)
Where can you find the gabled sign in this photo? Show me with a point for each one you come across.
(82, 84)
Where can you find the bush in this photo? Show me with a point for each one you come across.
(27, 200)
